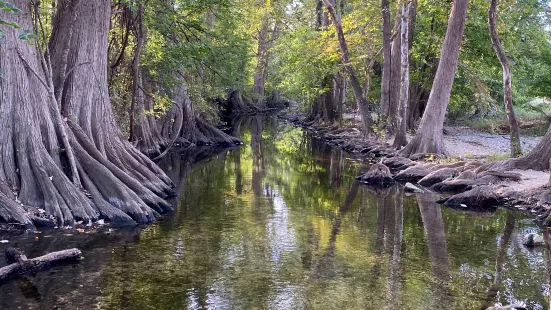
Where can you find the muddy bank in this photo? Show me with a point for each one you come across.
(464, 183)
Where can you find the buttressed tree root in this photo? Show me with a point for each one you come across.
(118, 182)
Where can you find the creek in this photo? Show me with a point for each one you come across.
(280, 223)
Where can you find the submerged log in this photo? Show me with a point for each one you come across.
(21, 265)
(378, 175)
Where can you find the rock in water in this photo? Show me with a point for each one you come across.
(532, 240)
(378, 175)
(412, 188)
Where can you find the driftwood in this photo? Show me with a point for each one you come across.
(19, 264)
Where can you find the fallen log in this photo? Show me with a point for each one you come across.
(22, 265)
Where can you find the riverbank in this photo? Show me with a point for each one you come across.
(470, 178)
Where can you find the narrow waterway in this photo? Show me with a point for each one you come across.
(279, 223)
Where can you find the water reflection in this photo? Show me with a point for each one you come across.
(279, 223)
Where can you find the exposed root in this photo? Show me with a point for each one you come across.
(378, 175)
(479, 197)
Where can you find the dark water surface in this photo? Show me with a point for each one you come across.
(279, 223)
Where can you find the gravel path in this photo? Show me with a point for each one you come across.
(464, 142)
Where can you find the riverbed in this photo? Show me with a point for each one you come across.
(280, 223)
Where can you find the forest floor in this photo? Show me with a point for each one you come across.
(463, 143)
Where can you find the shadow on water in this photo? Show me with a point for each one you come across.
(280, 223)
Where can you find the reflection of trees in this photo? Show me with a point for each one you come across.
(500, 261)
(436, 241)
(335, 166)
(395, 265)
(257, 147)
(388, 239)
(324, 266)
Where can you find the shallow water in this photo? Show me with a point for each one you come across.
(279, 223)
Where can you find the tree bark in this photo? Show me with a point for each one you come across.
(507, 95)
(429, 137)
(385, 78)
(401, 139)
(363, 105)
(395, 78)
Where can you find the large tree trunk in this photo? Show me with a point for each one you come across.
(363, 105)
(507, 95)
(401, 139)
(123, 184)
(385, 78)
(429, 136)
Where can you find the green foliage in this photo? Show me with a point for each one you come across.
(214, 45)
(10, 8)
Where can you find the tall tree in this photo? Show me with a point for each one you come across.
(143, 125)
(395, 78)
(507, 94)
(385, 77)
(429, 136)
(363, 105)
(401, 121)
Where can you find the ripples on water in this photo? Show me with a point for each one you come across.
(279, 223)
